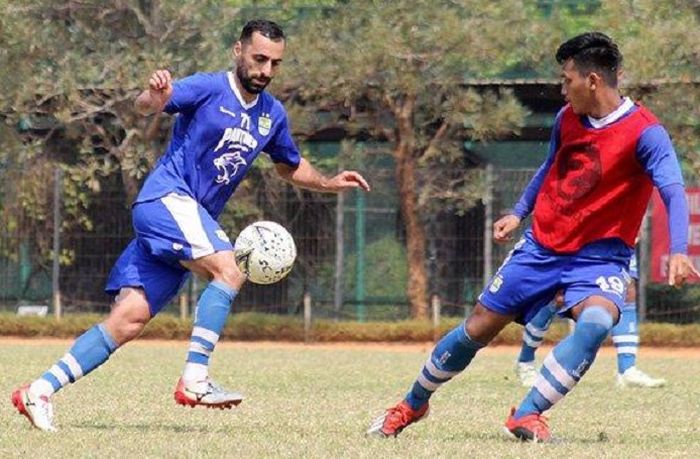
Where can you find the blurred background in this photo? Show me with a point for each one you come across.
(446, 108)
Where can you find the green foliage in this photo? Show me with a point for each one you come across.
(268, 327)
(386, 269)
(358, 66)
(685, 303)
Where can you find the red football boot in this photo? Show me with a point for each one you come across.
(397, 418)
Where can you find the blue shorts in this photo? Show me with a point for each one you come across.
(531, 275)
(168, 230)
(634, 272)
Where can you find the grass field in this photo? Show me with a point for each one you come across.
(316, 401)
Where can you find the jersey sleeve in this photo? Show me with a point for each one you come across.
(281, 147)
(656, 155)
(658, 158)
(189, 93)
(526, 203)
(676, 203)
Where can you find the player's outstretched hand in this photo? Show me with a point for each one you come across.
(160, 86)
(346, 180)
(679, 269)
(503, 227)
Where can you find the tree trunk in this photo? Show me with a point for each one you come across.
(417, 288)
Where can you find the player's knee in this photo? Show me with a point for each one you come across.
(594, 323)
(230, 275)
(483, 325)
(131, 330)
(129, 316)
(123, 328)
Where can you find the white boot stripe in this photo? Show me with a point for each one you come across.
(203, 333)
(427, 384)
(559, 373)
(59, 374)
(627, 350)
(435, 371)
(531, 342)
(625, 339)
(547, 390)
(534, 331)
(199, 348)
(73, 365)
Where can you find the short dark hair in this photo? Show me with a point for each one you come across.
(266, 28)
(593, 51)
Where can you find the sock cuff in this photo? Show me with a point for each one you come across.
(467, 340)
(629, 306)
(597, 315)
(230, 292)
(109, 340)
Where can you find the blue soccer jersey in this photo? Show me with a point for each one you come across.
(216, 138)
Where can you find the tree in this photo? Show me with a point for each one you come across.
(397, 72)
(659, 41)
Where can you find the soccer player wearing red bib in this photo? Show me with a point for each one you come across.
(587, 199)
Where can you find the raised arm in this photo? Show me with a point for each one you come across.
(154, 99)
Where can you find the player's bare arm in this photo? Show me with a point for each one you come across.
(153, 99)
(679, 269)
(306, 176)
(504, 227)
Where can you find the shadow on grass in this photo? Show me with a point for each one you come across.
(502, 436)
(141, 427)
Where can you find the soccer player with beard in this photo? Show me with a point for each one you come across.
(224, 121)
(588, 199)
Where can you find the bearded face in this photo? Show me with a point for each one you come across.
(253, 82)
(257, 61)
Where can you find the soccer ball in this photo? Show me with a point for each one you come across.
(265, 252)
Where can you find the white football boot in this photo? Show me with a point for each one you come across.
(634, 377)
(205, 393)
(36, 408)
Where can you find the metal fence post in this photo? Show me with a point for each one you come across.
(360, 255)
(436, 306)
(643, 264)
(488, 225)
(184, 303)
(56, 266)
(307, 317)
(339, 254)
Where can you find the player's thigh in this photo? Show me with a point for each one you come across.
(219, 266)
(137, 268)
(604, 281)
(177, 228)
(526, 281)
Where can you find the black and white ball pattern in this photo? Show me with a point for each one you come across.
(265, 252)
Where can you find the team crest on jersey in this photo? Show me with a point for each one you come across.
(228, 165)
(221, 234)
(496, 283)
(264, 124)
